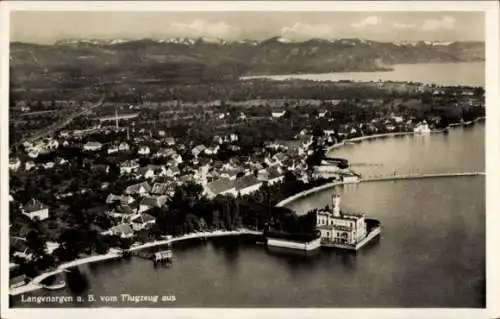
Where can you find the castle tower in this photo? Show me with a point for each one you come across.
(336, 205)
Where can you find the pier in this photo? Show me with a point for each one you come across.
(380, 178)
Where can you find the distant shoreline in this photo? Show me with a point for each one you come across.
(258, 75)
(287, 76)
(395, 134)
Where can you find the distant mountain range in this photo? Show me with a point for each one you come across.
(207, 59)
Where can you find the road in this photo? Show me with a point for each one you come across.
(59, 125)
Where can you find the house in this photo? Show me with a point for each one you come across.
(272, 145)
(123, 199)
(165, 152)
(14, 163)
(328, 132)
(212, 150)
(220, 186)
(176, 159)
(33, 154)
(278, 114)
(303, 132)
(280, 158)
(128, 167)
(398, 119)
(35, 209)
(18, 281)
(186, 178)
(51, 144)
(218, 139)
(123, 147)
(172, 171)
(322, 114)
(275, 175)
(390, 127)
(92, 146)
(62, 161)
(247, 184)
(122, 230)
(122, 210)
(18, 247)
(113, 149)
(230, 173)
(144, 150)
(48, 165)
(233, 137)
(197, 150)
(152, 171)
(163, 189)
(138, 189)
(221, 116)
(142, 221)
(149, 202)
(170, 141)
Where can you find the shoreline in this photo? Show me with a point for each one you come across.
(395, 134)
(35, 283)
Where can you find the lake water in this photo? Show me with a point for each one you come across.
(431, 252)
(467, 73)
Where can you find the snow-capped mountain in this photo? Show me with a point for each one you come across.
(220, 41)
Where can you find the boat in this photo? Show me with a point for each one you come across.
(55, 286)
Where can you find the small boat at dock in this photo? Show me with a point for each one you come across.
(163, 257)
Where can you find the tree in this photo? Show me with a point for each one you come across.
(36, 245)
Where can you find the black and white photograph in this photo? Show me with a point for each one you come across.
(243, 157)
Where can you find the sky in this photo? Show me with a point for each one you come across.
(46, 27)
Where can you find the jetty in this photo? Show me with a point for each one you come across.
(419, 176)
(162, 257)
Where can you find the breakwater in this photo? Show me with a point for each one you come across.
(307, 192)
(419, 176)
(376, 179)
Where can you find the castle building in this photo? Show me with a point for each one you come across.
(338, 227)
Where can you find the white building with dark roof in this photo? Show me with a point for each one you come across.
(122, 230)
(247, 184)
(149, 202)
(92, 146)
(35, 209)
(142, 221)
(197, 150)
(138, 189)
(163, 189)
(144, 150)
(220, 186)
(123, 147)
(170, 141)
